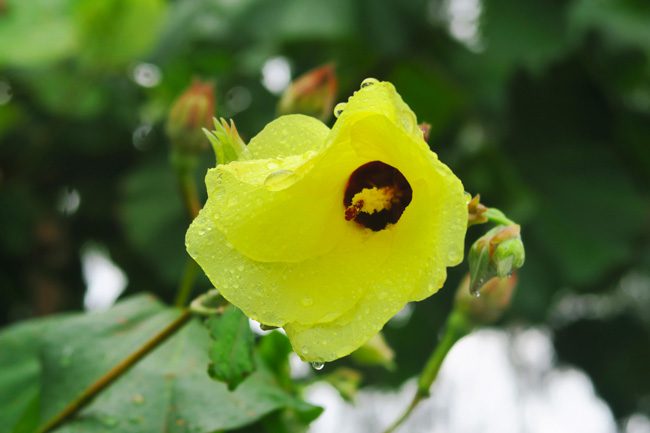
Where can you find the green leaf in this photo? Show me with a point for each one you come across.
(19, 369)
(231, 353)
(167, 391)
(36, 32)
(274, 349)
(113, 33)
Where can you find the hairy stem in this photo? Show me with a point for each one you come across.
(457, 327)
(114, 373)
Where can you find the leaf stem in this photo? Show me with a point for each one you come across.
(457, 327)
(496, 216)
(116, 372)
(187, 283)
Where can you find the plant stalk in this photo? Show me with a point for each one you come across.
(187, 283)
(115, 373)
(189, 193)
(457, 327)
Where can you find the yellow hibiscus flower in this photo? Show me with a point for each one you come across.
(329, 233)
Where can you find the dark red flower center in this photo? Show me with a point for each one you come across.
(376, 195)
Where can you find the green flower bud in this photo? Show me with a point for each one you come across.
(225, 140)
(191, 112)
(508, 256)
(313, 94)
(497, 253)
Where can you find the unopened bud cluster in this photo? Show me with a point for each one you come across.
(496, 254)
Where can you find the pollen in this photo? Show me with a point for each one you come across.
(372, 200)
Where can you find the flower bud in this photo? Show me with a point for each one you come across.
(375, 352)
(489, 307)
(497, 253)
(191, 112)
(225, 140)
(313, 94)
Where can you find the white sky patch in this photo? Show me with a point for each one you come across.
(402, 317)
(256, 327)
(492, 382)
(69, 201)
(140, 137)
(104, 280)
(147, 74)
(299, 368)
(637, 423)
(276, 74)
(463, 21)
(238, 99)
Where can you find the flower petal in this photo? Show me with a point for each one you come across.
(292, 134)
(381, 98)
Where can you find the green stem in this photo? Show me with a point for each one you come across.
(456, 328)
(189, 193)
(189, 190)
(495, 216)
(187, 283)
(114, 373)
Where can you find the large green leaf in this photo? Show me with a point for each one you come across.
(167, 391)
(20, 369)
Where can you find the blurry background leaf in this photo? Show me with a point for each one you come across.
(36, 32)
(114, 32)
(153, 217)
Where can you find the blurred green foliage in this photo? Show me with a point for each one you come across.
(542, 106)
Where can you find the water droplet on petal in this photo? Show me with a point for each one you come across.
(317, 365)
(369, 82)
(338, 109)
(307, 301)
(279, 180)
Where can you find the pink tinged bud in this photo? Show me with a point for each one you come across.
(313, 93)
(494, 299)
(426, 130)
(189, 114)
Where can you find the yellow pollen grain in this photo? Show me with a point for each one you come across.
(374, 199)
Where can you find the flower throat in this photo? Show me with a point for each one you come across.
(376, 195)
